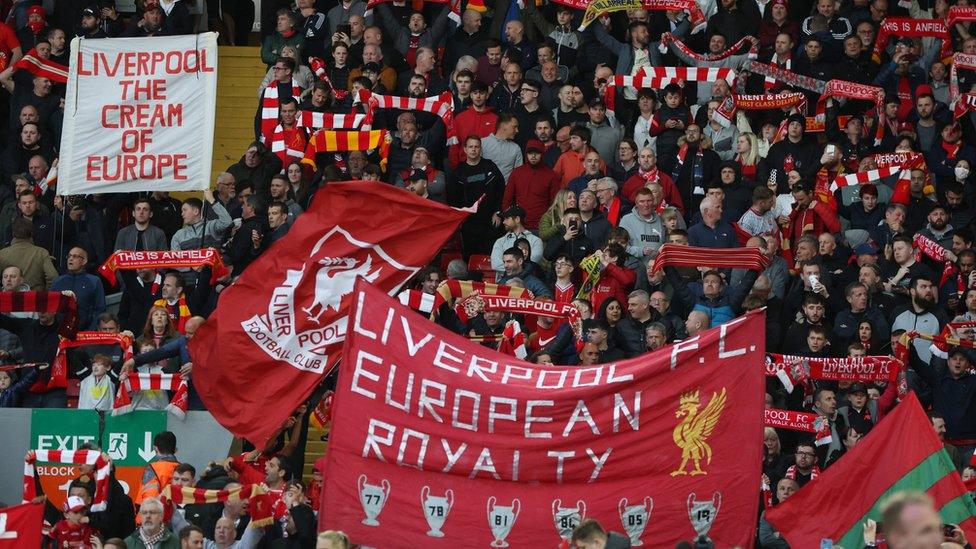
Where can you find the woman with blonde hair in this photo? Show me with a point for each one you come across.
(551, 221)
(751, 165)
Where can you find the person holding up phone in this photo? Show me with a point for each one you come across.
(571, 239)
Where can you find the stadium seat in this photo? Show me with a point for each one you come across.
(482, 263)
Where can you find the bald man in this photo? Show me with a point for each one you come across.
(87, 288)
(697, 322)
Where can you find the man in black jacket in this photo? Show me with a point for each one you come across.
(244, 247)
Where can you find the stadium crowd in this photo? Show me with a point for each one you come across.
(584, 180)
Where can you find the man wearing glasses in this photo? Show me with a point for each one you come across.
(529, 111)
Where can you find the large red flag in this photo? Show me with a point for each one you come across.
(20, 526)
(901, 453)
(440, 442)
(279, 328)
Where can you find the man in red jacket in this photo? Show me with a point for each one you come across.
(532, 185)
(478, 119)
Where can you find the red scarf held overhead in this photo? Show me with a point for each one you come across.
(43, 302)
(674, 255)
(178, 259)
(806, 422)
(103, 468)
(669, 40)
(38, 66)
(906, 26)
(59, 369)
(321, 70)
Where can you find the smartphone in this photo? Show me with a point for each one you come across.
(948, 530)
(344, 29)
(574, 225)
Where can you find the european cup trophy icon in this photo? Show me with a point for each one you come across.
(634, 518)
(373, 498)
(501, 519)
(703, 513)
(567, 518)
(436, 509)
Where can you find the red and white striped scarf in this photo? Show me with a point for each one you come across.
(288, 145)
(418, 300)
(332, 121)
(940, 348)
(870, 176)
(675, 255)
(151, 382)
(658, 77)
(38, 66)
(78, 457)
(513, 340)
(669, 40)
(768, 81)
(270, 104)
(442, 105)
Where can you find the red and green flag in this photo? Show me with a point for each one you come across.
(901, 453)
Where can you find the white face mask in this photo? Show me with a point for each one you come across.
(961, 172)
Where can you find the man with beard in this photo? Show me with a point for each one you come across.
(631, 58)
(151, 23)
(902, 269)
(938, 229)
(922, 315)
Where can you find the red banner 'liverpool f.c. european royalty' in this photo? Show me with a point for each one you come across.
(440, 442)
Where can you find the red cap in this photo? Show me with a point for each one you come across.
(36, 10)
(906, 127)
(923, 89)
(783, 3)
(534, 145)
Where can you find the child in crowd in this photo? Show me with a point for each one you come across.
(12, 391)
(73, 530)
(97, 390)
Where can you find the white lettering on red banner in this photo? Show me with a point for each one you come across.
(445, 443)
(139, 115)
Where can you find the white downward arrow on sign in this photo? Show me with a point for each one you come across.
(146, 450)
(4, 534)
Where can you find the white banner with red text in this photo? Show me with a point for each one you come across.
(139, 115)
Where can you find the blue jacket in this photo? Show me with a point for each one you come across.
(89, 293)
(720, 309)
(532, 283)
(11, 396)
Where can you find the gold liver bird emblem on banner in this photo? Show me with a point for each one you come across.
(692, 432)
